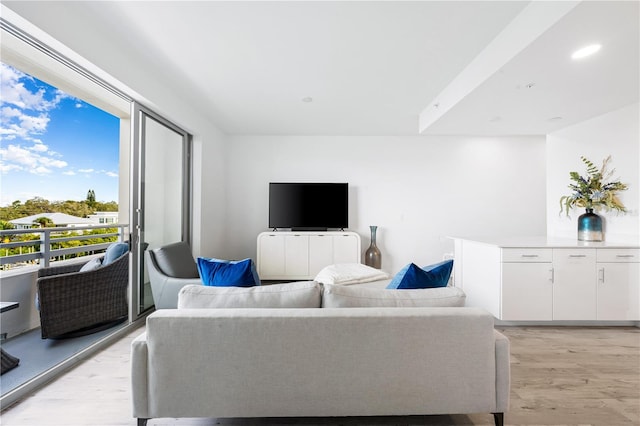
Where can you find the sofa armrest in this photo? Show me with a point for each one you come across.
(503, 371)
(140, 376)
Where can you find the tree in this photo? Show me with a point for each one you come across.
(44, 222)
(4, 225)
(91, 198)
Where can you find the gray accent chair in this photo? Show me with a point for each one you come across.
(170, 268)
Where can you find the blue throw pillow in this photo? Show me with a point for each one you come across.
(414, 277)
(114, 251)
(228, 273)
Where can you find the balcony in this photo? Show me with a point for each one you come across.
(20, 261)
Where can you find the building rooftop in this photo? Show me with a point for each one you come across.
(58, 219)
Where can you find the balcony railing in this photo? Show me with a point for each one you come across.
(49, 241)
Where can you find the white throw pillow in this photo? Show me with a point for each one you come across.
(301, 294)
(349, 273)
(336, 296)
(91, 265)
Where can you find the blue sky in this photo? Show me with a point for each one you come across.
(53, 145)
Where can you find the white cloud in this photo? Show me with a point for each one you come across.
(40, 170)
(5, 168)
(24, 115)
(14, 92)
(39, 147)
(15, 158)
(69, 173)
(52, 163)
(112, 174)
(19, 155)
(86, 170)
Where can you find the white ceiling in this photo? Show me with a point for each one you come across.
(372, 68)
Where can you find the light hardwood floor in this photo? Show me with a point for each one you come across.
(560, 376)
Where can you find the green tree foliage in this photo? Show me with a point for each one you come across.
(91, 198)
(4, 225)
(43, 222)
(39, 205)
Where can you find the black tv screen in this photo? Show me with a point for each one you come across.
(308, 206)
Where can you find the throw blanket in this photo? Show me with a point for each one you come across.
(349, 273)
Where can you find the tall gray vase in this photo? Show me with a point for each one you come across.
(373, 257)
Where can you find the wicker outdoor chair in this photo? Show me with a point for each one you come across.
(74, 303)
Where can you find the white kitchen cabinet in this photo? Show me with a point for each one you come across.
(527, 291)
(540, 279)
(301, 255)
(618, 285)
(574, 284)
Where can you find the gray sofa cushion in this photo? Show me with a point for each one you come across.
(303, 294)
(176, 260)
(358, 296)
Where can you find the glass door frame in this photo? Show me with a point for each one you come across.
(139, 114)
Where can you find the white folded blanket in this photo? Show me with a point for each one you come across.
(349, 273)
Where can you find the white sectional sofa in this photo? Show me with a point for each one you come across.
(302, 359)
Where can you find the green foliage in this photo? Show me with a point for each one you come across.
(39, 205)
(43, 222)
(594, 190)
(4, 225)
(91, 198)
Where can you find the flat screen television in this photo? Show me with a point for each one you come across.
(308, 206)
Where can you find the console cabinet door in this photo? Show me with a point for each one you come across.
(296, 255)
(270, 255)
(320, 253)
(574, 284)
(527, 292)
(346, 249)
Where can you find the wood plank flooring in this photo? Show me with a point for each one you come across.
(560, 376)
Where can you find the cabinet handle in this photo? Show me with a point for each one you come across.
(551, 275)
(529, 255)
(601, 277)
(577, 255)
(627, 256)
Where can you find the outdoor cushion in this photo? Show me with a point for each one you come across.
(91, 265)
(114, 251)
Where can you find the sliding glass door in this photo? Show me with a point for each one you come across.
(161, 193)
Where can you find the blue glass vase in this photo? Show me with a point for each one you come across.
(589, 226)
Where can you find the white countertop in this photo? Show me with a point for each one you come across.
(549, 242)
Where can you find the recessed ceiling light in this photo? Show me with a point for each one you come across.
(307, 99)
(586, 51)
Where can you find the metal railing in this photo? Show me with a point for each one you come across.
(42, 249)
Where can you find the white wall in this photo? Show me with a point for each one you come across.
(615, 133)
(416, 189)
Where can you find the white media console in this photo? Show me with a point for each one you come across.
(284, 255)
